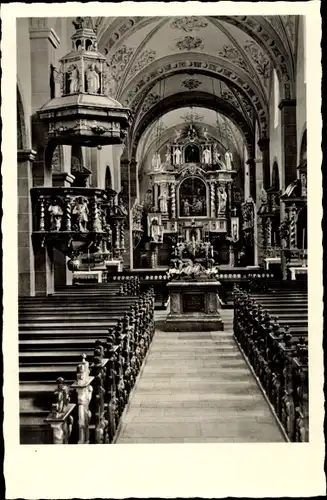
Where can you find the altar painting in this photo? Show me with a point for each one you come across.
(193, 198)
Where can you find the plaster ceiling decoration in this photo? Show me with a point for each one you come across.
(151, 99)
(118, 62)
(232, 54)
(290, 26)
(191, 83)
(143, 60)
(228, 95)
(188, 24)
(190, 43)
(192, 116)
(259, 58)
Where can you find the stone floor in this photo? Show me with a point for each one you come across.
(196, 387)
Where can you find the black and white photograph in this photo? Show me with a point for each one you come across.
(163, 235)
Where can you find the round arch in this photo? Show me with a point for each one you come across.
(202, 99)
(214, 68)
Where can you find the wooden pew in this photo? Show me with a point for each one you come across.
(276, 348)
(132, 332)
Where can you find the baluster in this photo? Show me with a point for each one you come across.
(84, 390)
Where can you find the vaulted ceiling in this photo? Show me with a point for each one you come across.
(221, 63)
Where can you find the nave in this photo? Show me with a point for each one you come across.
(196, 387)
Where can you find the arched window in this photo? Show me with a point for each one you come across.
(276, 99)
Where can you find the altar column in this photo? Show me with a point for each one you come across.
(156, 196)
(173, 200)
(212, 199)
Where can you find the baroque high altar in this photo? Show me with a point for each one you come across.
(191, 191)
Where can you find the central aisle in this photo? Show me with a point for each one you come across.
(196, 387)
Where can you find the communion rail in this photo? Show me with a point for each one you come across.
(272, 331)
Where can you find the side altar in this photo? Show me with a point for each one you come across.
(193, 289)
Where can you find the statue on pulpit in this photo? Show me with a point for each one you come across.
(206, 155)
(228, 160)
(222, 200)
(56, 214)
(156, 161)
(177, 156)
(92, 80)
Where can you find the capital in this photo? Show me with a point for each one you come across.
(263, 143)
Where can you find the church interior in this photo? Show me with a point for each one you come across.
(162, 229)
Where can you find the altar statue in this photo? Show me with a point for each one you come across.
(156, 161)
(207, 155)
(177, 156)
(228, 160)
(222, 200)
(163, 202)
(74, 81)
(168, 156)
(216, 154)
(93, 80)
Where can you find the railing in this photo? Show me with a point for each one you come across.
(279, 358)
(89, 411)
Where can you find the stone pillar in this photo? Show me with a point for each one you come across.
(43, 44)
(263, 144)
(289, 145)
(26, 283)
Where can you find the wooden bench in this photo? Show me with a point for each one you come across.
(272, 330)
(113, 338)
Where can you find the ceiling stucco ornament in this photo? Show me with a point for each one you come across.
(229, 96)
(190, 43)
(119, 61)
(231, 53)
(260, 59)
(290, 26)
(143, 60)
(191, 117)
(213, 68)
(151, 99)
(188, 24)
(191, 83)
